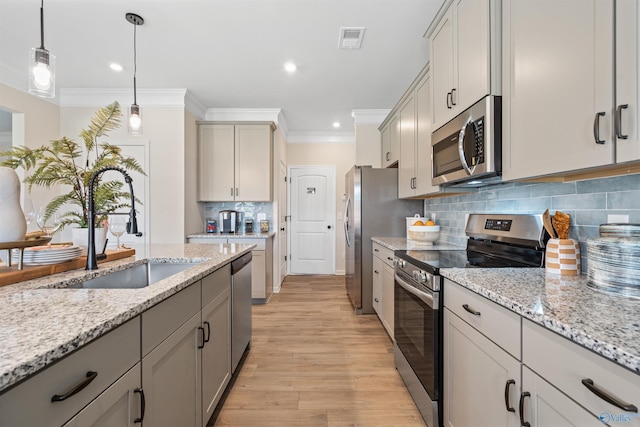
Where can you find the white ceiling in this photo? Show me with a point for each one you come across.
(230, 53)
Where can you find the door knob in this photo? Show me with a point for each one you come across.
(329, 227)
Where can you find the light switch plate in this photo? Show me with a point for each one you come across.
(618, 219)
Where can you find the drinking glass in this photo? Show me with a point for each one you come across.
(48, 224)
(117, 227)
(29, 211)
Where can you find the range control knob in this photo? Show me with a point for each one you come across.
(421, 276)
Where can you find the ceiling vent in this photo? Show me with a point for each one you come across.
(350, 37)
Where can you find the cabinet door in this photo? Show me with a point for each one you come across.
(387, 298)
(424, 166)
(171, 379)
(117, 406)
(253, 163)
(215, 161)
(476, 374)
(555, 84)
(547, 406)
(627, 78)
(258, 275)
(471, 61)
(216, 353)
(406, 163)
(442, 57)
(385, 143)
(378, 269)
(394, 141)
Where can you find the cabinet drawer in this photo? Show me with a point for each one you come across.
(208, 240)
(215, 283)
(110, 356)
(161, 320)
(261, 244)
(497, 323)
(565, 364)
(385, 254)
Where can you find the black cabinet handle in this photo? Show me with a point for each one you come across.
(75, 389)
(208, 332)
(596, 128)
(143, 405)
(375, 250)
(523, 423)
(449, 100)
(507, 387)
(387, 156)
(201, 329)
(390, 259)
(470, 310)
(452, 92)
(619, 121)
(376, 271)
(282, 229)
(376, 300)
(604, 395)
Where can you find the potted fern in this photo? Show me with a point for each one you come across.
(69, 164)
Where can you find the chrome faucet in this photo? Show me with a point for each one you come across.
(132, 225)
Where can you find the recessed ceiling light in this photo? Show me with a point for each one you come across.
(115, 67)
(336, 124)
(290, 67)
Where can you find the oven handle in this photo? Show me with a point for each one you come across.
(424, 297)
(461, 153)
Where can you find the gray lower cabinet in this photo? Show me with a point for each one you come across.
(117, 406)
(54, 396)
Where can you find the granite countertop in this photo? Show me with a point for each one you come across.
(231, 235)
(607, 324)
(402, 243)
(40, 323)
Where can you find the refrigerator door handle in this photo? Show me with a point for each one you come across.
(346, 220)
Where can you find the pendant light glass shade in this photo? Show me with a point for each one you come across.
(42, 66)
(135, 120)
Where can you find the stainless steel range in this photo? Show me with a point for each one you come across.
(495, 241)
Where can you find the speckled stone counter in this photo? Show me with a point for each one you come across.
(41, 321)
(231, 235)
(402, 243)
(606, 324)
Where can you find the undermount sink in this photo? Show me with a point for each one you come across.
(139, 276)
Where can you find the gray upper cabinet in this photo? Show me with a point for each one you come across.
(235, 161)
(390, 141)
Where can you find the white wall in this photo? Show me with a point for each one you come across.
(368, 146)
(343, 156)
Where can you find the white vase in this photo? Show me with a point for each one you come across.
(13, 226)
(80, 237)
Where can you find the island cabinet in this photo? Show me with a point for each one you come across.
(186, 348)
(571, 98)
(465, 56)
(383, 283)
(481, 361)
(235, 161)
(104, 374)
(390, 141)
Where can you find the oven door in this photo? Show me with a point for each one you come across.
(417, 331)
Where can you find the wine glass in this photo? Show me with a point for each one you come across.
(49, 224)
(29, 211)
(117, 227)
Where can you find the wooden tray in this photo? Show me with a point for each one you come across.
(11, 275)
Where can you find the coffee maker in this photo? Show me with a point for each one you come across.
(229, 221)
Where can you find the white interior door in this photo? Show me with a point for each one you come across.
(282, 222)
(312, 224)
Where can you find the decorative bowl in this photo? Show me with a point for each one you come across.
(424, 234)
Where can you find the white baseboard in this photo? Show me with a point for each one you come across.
(340, 272)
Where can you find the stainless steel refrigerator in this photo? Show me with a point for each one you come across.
(372, 209)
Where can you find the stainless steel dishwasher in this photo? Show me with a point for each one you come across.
(241, 308)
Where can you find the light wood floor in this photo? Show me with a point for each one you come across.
(313, 362)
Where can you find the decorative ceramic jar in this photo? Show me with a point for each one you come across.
(13, 226)
(562, 257)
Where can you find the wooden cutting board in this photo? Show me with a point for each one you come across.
(11, 275)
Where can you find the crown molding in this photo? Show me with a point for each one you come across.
(320, 138)
(94, 97)
(369, 117)
(243, 114)
(194, 105)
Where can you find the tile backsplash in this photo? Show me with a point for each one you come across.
(250, 209)
(590, 203)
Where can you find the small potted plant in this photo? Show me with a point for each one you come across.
(69, 164)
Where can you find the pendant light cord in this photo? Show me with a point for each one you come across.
(135, 66)
(42, 24)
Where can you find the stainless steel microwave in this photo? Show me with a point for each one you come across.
(468, 149)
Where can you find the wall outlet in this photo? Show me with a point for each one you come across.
(617, 219)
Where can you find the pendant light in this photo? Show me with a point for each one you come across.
(42, 66)
(135, 115)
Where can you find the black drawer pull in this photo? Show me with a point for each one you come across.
(523, 423)
(60, 397)
(143, 405)
(507, 386)
(389, 258)
(602, 394)
(208, 331)
(470, 310)
(201, 329)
